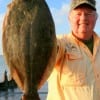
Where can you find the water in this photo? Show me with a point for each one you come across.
(15, 93)
(3, 68)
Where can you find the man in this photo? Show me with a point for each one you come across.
(76, 75)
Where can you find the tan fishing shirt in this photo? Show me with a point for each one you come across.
(76, 75)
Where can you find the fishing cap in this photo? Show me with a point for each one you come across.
(76, 3)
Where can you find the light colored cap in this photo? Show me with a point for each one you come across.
(76, 3)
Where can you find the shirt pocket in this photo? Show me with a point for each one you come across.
(97, 74)
(73, 72)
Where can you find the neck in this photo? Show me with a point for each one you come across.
(81, 38)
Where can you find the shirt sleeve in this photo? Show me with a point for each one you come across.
(60, 52)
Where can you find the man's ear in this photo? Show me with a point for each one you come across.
(97, 16)
(69, 15)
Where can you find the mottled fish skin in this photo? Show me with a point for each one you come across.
(29, 43)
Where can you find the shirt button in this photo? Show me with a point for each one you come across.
(97, 75)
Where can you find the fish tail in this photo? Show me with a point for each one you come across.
(30, 97)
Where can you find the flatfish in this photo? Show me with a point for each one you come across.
(29, 44)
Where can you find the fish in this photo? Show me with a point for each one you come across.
(29, 44)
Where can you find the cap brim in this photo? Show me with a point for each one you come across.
(83, 3)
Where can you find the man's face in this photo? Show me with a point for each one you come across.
(82, 20)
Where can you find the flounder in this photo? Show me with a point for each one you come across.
(29, 44)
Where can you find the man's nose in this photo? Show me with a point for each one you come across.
(84, 16)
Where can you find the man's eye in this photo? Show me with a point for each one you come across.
(89, 14)
(78, 14)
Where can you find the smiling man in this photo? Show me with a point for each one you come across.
(76, 75)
